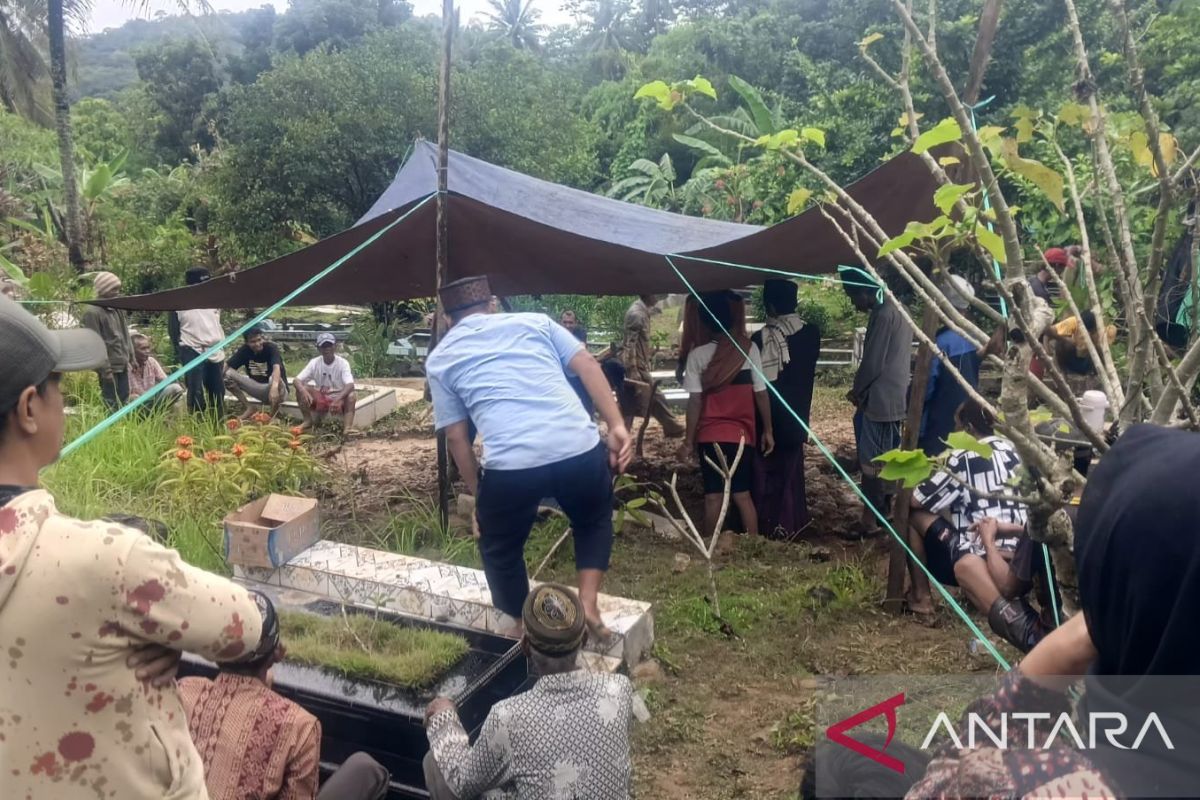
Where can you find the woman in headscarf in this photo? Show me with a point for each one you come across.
(790, 349)
(1137, 554)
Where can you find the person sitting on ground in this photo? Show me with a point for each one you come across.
(1070, 340)
(880, 390)
(1134, 638)
(265, 378)
(725, 387)
(193, 331)
(1042, 282)
(508, 374)
(93, 614)
(790, 348)
(943, 393)
(113, 328)
(258, 744)
(145, 373)
(326, 386)
(568, 736)
(966, 490)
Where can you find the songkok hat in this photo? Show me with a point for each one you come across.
(465, 293)
(106, 284)
(553, 617)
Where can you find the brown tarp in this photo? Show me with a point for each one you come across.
(534, 237)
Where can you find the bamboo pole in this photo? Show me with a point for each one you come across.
(443, 235)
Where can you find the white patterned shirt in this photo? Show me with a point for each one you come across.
(567, 738)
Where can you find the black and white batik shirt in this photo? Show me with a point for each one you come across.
(947, 490)
(567, 738)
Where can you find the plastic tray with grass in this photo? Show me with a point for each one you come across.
(369, 647)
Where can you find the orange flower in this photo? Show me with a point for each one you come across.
(213, 456)
(262, 418)
(295, 444)
(239, 450)
(184, 455)
(296, 430)
(184, 442)
(233, 424)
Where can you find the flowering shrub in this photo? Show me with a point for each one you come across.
(228, 469)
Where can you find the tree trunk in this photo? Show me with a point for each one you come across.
(443, 234)
(62, 125)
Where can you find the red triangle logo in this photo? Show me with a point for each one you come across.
(837, 732)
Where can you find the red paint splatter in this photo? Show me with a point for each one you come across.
(235, 629)
(174, 636)
(76, 635)
(110, 629)
(8, 520)
(232, 650)
(99, 702)
(62, 600)
(89, 687)
(76, 746)
(184, 626)
(145, 596)
(11, 569)
(46, 763)
(149, 626)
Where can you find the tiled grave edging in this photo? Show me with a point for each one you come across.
(433, 590)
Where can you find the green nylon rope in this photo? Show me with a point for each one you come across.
(125, 411)
(801, 275)
(987, 643)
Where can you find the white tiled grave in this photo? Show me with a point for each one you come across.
(433, 590)
(372, 404)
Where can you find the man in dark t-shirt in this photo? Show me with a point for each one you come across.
(264, 379)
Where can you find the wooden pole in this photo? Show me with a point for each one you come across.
(443, 235)
(912, 431)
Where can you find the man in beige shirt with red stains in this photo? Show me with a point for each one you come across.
(81, 601)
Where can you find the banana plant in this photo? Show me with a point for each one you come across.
(650, 184)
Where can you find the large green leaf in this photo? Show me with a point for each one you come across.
(701, 85)
(991, 241)
(759, 112)
(870, 40)
(945, 131)
(97, 182)
(948, 194)
(909, 466)
(659, 92)
(708, 149)
(797, 199)
(15, 274)
(814, 135)
(960, 440)
(1041, 176)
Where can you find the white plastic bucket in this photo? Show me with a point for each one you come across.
(1094, 404)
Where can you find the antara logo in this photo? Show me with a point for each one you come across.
(887, 708)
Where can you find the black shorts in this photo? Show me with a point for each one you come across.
(941, 551)
(714, 482)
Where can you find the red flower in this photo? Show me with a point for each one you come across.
(213, 456)
(262, 418)
(233, 424)
(295, 444)
(184, 442)
(239, 450)
(184, 455)
(296, 430)
(720, 184)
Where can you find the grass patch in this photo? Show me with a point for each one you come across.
(363, 646)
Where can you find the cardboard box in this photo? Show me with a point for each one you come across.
(272, 530)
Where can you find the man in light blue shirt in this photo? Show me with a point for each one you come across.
(507, 373)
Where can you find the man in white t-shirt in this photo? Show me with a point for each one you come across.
(326, 386)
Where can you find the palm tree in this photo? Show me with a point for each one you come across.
(62, 126)
(606, 36)
(23, 70)
(648, 183)
(517, 22)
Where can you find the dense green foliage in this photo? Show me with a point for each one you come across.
(233, 138)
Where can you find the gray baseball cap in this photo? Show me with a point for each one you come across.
(30, 352)
(325, 338)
